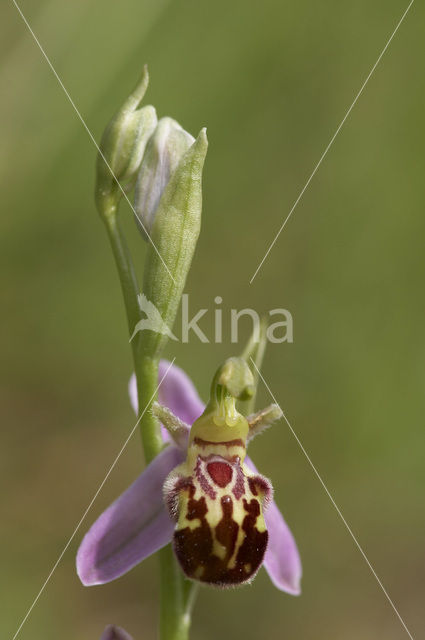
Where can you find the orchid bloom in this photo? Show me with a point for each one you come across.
(215, 507)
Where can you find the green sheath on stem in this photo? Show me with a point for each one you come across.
(174, 235)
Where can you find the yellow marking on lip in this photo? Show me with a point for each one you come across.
(190, 524)
(183, 520)
(218, 549)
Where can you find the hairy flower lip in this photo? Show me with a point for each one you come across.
(282, 562)
(137, 523)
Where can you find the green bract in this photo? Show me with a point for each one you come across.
(174, 234)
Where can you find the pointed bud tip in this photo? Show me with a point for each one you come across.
(202, 137)
(144, 76)
(139, 90)
(200, 147)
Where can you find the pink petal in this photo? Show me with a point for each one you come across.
(132, 528)
(112, 632)
(282, 560)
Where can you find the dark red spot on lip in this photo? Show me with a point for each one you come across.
(227, 529)
(220, 472)
(254, 546)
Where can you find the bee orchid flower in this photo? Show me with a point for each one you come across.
(200, 492)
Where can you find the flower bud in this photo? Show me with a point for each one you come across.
(165, 149)
(174, 234)
(123, 144)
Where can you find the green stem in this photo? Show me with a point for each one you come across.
(147, 386)
(127, 275)
(177, 598)
(146, 369)
(177, 593)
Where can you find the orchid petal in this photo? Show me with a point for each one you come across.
(282, 560)
(177, 392)
(176, 428)
(262, 420)
(112, 632)
(132, 528)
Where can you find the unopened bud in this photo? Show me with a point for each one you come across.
(164, 151)
(123, 144)
(174, 234)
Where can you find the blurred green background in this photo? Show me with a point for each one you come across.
(271, 81)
